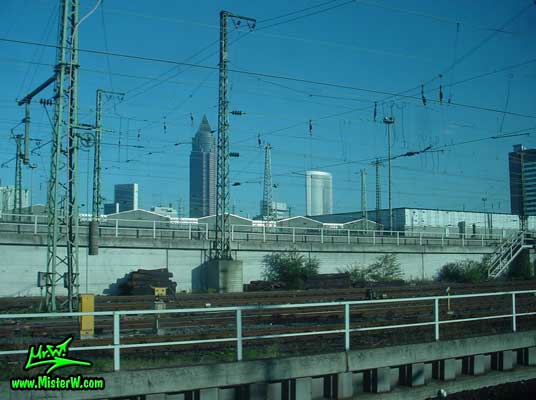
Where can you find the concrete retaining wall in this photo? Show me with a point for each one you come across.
(22, 256)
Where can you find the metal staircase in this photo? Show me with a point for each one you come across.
(506, 252)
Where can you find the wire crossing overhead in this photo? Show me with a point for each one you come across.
(222, 242)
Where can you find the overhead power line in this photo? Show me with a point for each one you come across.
(266, 75)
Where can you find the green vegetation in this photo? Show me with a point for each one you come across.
(521, 267)
(464, 271)
(289, 267)
(386, 268)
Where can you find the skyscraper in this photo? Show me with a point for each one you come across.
(203, 172)
(522, 165)
(319, 193)
(127, 196)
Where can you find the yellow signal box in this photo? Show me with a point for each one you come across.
(87, 322)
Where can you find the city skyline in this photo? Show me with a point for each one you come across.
(310, 126)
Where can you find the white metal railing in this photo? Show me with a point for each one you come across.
(36, 224)
(239, 339)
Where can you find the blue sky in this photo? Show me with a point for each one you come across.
(383, 46)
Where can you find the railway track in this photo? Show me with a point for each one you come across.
(139, 328)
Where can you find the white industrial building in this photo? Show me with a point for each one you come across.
(438, 221)
(318, 193)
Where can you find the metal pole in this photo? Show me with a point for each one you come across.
(364, 195)
(239, 335)
(27, 132)
(222, 245)
(389, 121)
(436, 318)
(72, 163)
(514, 322)
(17, 204)
(54, 213)
(117, 341)
(347, 326)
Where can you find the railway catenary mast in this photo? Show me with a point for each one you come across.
(222, 246)
(96, 205)
(267, 206)
(62, 205)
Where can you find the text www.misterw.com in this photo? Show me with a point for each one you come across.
(45, 382)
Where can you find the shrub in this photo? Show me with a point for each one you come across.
(289, 267)
(465, 271)
(386, 268)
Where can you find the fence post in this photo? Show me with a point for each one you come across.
(398, 238)
(154, 229)
(116, 228)
(117, 336)
(232, 232)
(348, 236)
(321, 235)
(35, 224)
(239, 335)
(293, 235)
(436, 318)
(463, 239)
(374, 238)
(189, 231)
(514, 322)
(442, 239)
(206, 231)
(420, 238)
(347, 326)
(264, 233)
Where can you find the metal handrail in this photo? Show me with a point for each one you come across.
(238, 310)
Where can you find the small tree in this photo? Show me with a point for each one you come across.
(385, 268)
(289, 267)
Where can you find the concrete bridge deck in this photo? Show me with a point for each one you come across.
(399, 372)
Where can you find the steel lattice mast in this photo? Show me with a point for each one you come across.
(222, 244)
(62, 200)
(19, 157)
(377, 165)
(267, 208)
(364, 194)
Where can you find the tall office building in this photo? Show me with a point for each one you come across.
(319, 193)
(203, 172)
(522, 164)
(125, 198)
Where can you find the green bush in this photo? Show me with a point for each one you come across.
(386, 268)
(465, 271)
(289, 267)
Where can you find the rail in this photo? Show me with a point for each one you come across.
(141, 229)
(239, 338)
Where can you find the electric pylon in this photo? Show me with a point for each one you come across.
(364, 194)
(222, 241)
(62, 203)
(267, 206)
(377, 163)
(19, 157)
